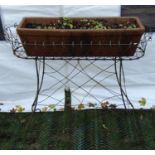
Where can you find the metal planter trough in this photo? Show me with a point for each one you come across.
(80, 42)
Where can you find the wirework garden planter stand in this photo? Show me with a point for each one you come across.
(113, 67)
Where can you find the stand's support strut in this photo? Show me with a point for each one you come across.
(68, 106)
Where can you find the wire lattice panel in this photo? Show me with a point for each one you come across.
(91, 83)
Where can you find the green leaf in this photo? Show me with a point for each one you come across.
(19, 108)
(51, 106)
(44, 109)
(131, 26)
(142, 101)
(70, 26)
(81, 106)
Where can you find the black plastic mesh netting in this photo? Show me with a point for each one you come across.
(87, 129)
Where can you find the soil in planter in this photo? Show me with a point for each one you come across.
(67, 23)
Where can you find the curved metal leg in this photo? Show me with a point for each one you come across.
(120, 77)
(39, 82)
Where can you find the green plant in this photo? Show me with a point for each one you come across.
(142, 101)
(104, 105)
(81, 106)
(67, 23)
(18, 108)
(50, 107)
(44, 109)
(131, 26)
